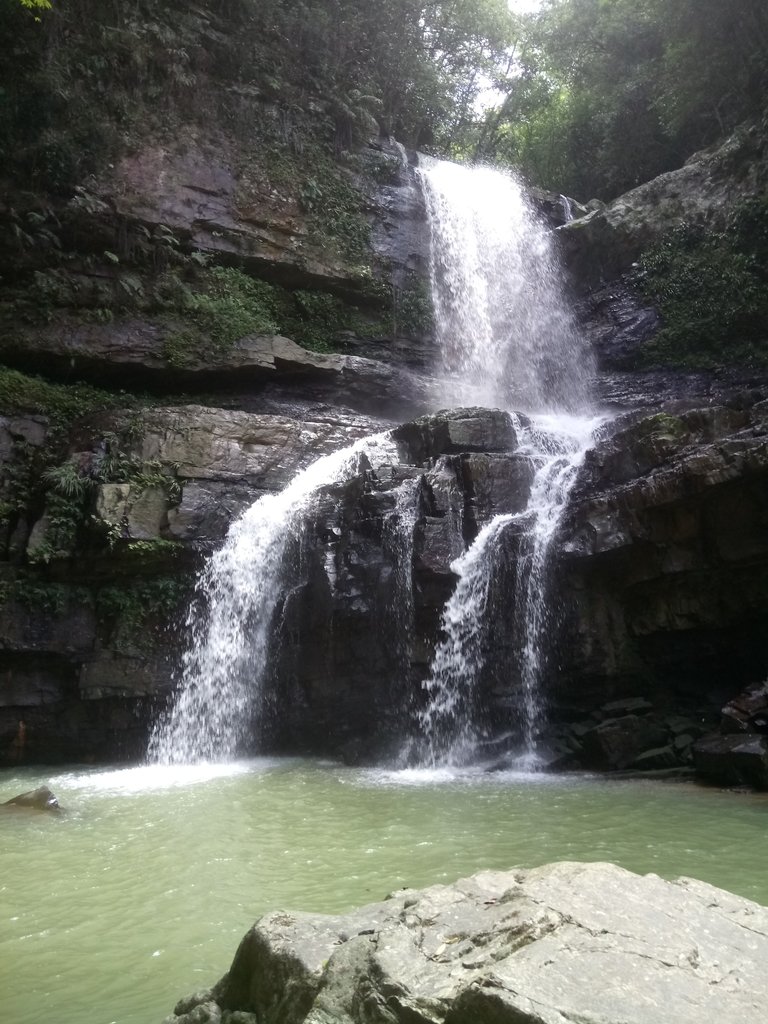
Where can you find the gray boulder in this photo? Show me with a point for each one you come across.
(560, 944)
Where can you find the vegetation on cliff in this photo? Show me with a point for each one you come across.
(711, 288)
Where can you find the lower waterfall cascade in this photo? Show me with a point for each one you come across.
(506, 339)
(225, 664)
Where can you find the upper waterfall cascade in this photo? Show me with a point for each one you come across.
(505, 339)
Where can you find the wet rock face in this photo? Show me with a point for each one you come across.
(664, 557)
(658, 587)
(738, 755)
(617, 322)
(564, 942)
(733, 760)
(191, 187)
(456, 430)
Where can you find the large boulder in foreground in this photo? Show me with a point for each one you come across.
(560, 944)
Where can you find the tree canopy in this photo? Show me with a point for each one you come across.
(588, 97)
(604, 94)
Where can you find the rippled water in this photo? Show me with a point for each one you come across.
(141, 892)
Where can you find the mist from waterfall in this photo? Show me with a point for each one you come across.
(506, 338)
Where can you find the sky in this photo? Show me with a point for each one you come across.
(524, 6)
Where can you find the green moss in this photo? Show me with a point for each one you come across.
(129, 608)
(413, 310)
(233, 305)
(62, 403)
(663, 427)
(44, 595)
(335, 209)
(711, 289)
(183, 348)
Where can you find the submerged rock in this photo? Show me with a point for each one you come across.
(40, 799)
(559, 944)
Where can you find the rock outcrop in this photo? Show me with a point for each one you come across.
(560, 944)
(135, 352)
(663, 567)
(738, 754)
(603, 244)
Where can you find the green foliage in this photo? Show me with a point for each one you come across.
(413, 310)
(317, 319)
(64, 517)
(712, 291)
(232, 306)
(129, 608)
(605, 94)
(67, 481)
(76, 95)
(336, 219)
(44, 595)
(22, 393)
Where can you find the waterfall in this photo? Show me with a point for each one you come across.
(230, 626)
(448, 719)
(557, 447)
(506, 337)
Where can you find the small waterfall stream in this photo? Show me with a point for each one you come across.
(230, 627)
(507, 338)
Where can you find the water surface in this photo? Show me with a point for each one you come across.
(141, 892)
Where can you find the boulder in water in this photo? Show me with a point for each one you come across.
(736, 759)
(553, 945)
(40, 799)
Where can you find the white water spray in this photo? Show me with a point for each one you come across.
(224, 666)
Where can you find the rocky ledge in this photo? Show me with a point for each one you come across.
(559, 944)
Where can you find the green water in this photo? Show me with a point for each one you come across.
(141, 892)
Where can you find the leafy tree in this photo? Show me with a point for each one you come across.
(607, 93)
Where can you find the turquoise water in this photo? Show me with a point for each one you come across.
(141, 891)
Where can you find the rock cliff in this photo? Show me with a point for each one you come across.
(191, 322)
